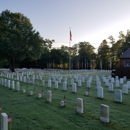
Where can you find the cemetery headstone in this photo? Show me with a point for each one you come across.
(74, 88)
(4, 121)
(49, 96)
(125, 89)
(104, 113)
(80, 105)
(49, 83)
(118, 95)
(100, 92)
(56, 84)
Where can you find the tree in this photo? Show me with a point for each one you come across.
(18, 40)
(86, 51)
(103, 55)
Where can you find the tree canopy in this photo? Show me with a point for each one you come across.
(18, 39)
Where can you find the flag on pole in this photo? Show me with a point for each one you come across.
(42, 93)
(9, 118)
(64, 99)
(100, 64)
(70, 36)
(0, 107)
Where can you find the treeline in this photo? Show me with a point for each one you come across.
(21, 46)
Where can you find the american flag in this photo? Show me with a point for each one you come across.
(42, 93)
(70, 36)
(9, 118)
(64, 99)
(0, 107)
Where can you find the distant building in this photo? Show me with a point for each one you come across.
(125, 59)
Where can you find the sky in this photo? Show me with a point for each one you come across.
(89, 20)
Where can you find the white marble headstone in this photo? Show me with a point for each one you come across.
(4, 121)
(117, 83)
(121, 81)
(104, 113)
(56, 84)
(118, 95)
(49, 96)
(125, 89)
(128, 83)
(64, 86)
(17, 86)
(74, 88)
(79, 83)
(80, 105)
(110, 88)
(62, 103)
(100, 92)
(49, 83)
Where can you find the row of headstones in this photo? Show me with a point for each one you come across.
(116, 80)
(104, 113)
(10, 84)
(104, 110)
(118, 93)
(41, 72)
(100, 94)
(24, 78)
(110, 85)
(77, 78)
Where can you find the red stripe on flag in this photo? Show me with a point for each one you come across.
(9, 118)
(70, 36)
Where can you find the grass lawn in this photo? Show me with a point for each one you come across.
(29, 112)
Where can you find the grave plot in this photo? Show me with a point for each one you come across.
(47, 112)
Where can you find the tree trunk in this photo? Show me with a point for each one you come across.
(12, 62)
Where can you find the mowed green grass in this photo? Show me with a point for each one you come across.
(29, 112)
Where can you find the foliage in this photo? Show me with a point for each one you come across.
(18, 40)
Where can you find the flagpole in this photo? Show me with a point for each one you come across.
(69, 49)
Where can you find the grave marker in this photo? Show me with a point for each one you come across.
(49, 96)
(4, 121)
(104, 113)
(80, 105)
(118, 95)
